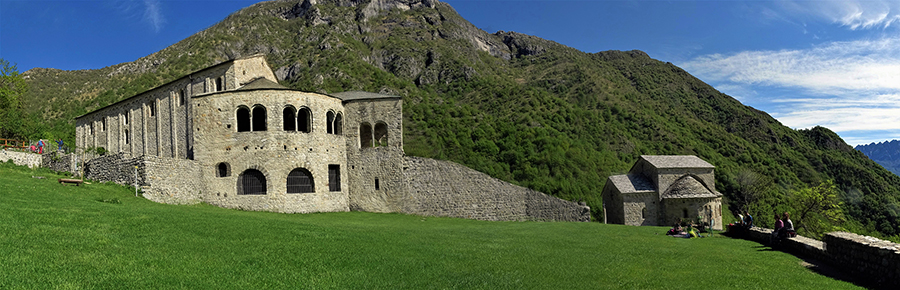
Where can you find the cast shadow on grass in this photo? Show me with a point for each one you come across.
(822, 268)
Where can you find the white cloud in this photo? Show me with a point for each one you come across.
(851, 87)
(153, 15)
(854, 14)
(867, 65)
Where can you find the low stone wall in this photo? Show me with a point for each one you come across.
(118, 168)
(443, 188)
(58, 161)
(539, 206)
(865, 256)
(31, 160)
(165, 180)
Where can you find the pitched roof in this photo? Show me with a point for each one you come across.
(676, 161)
(632, 183)
(359, 95)
(689, 187)
(261, 83)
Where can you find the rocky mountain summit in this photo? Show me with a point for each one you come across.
(886, 154)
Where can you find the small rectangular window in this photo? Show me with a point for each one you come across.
(220, 83)
(181, 97)
(103, 124)
(334, 177)
(377, 185)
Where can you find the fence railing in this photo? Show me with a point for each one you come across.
(11, 143)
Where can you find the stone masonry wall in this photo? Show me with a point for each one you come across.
(863, 255)
(539, 206)
(59, 161)
(876, 260)
(274, 152)
(31, 160)
(118, 168)
(172, 181)
(443, 188)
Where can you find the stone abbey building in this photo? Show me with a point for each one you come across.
(662, 190)
(231, 136)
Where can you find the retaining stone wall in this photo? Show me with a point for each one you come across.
(59, 162)
(443, 188)
(865, 256)
(118, 168)
(31, 160)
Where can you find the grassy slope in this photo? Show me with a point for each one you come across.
(101, 236)
(554, 119)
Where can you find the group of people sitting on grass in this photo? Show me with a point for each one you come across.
(784, 228)
(689, 230)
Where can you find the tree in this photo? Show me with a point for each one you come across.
(817, 210)
(750, 187)
(12, 88)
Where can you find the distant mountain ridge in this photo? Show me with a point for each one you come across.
(517, 107)
(886, 154)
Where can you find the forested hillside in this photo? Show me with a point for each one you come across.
(517, 107)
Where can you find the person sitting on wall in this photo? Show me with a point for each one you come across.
(740, 221)
(788, 230)
(778, 226)
(748, 220)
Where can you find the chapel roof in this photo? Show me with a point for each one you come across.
(676, 161)
(261, 83)
(632, 183)
(689, 187)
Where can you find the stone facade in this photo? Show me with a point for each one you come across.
(662, 190)
(231, 136)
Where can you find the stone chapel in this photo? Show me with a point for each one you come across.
(663, 190)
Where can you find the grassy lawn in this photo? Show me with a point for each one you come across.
(101, 236)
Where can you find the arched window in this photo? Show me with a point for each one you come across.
(339, 124)
(103, 124)
(300, 180)
(252, 181)
(152, 108)
(220, 83)
(290, 120)
(127, 137)
(365, 135)
(243, 119)
(381, 134)
(329, 122)
(259, 118)
(223, 170)
(644, 213)
(125, 118)
(684, 213)
(304, 120)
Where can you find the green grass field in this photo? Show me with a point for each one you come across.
(100, 236)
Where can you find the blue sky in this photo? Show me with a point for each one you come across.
(807, 63)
